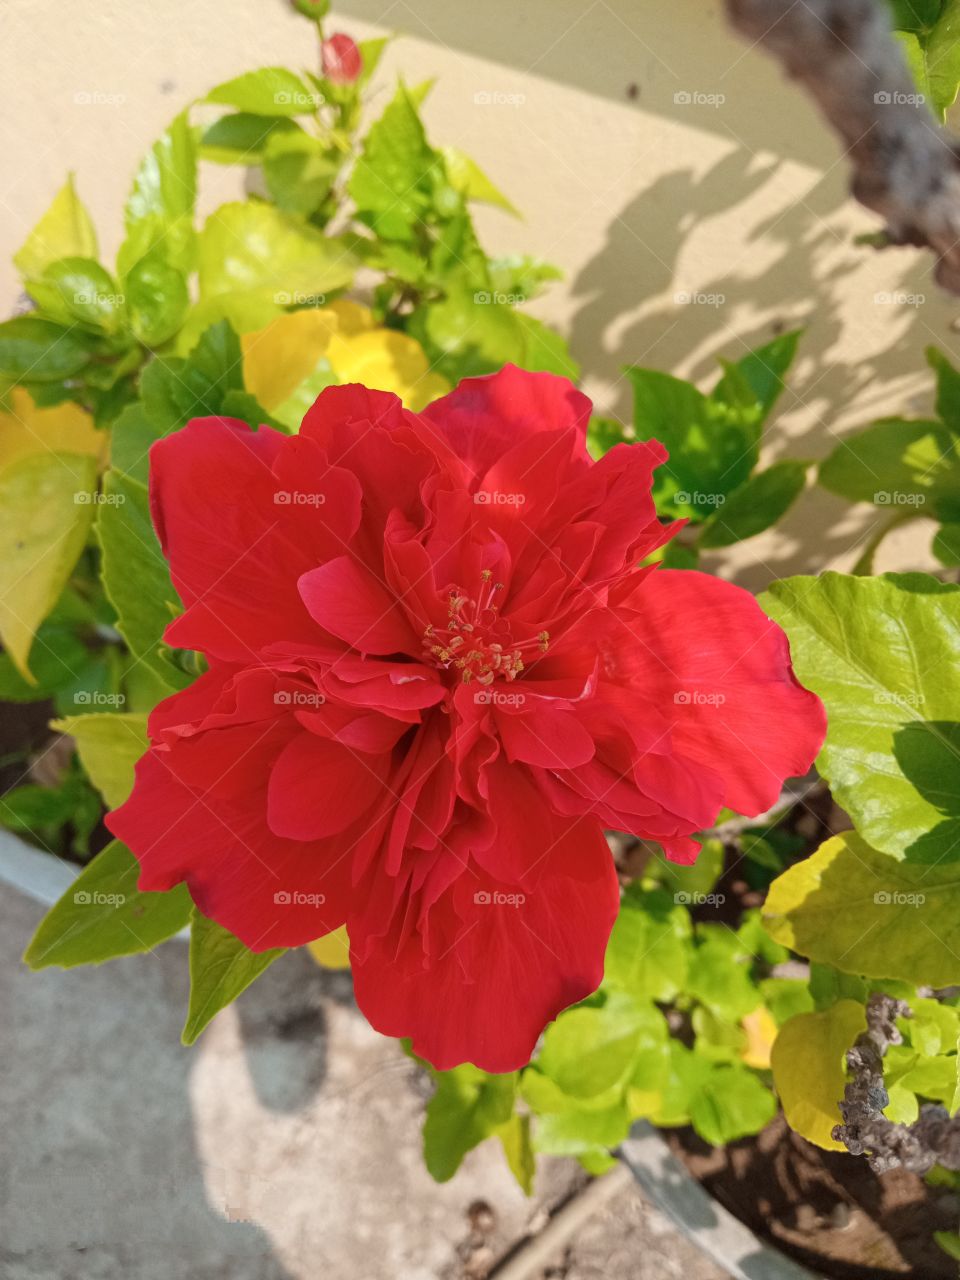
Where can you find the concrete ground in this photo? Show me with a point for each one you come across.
(283, 1146)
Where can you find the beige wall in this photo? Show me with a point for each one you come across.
(638, 196)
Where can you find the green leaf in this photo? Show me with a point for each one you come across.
(882, 654)
(850, 906)
(241, 138)
(174, 390)
(299, 171)
(135, 575)
(103, 915)
(468, 1106)
(603, 434)
(946, 545)
(828, 985)
(720, 973)
(942, 57)
(393, 181)
(64, 231)
(521, 276)
(898, 464)
(157, 298)
(591, 1048)
(35, 350)
(259, 252)
(731, 1103)
(915, 15)
(544, 350)
(712, 447)
(809, 1069)
(57, 656)
(466, 176)
(159, 210)
(759, 503)
(221, 967)
(108, 746)
(582, 1132)
(518, 1148)
(86, 292)
(45, 514)
(762, 371)
(270, 91)
(650, 947)
(949, 1242)
(133, 433)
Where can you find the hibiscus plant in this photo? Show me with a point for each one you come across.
(370, 637)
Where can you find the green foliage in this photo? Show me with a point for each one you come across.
(136, 577)
(468, 1106)
(711, 477)
(881, 653)
(221, 967)
(907, 466)
(103, 915)
(864, 912)
(930, 35)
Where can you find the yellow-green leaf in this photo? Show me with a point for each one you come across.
(850, 906)
(60, 428)
(64, 231)
(332, 951)
(809, 1068)
(468, 178)
(46, 504)
(109, 746)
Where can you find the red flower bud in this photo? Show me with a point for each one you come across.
(341, 59)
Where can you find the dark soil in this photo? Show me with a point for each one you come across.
(827, 1209)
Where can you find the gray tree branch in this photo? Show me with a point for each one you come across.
(932, 1139)
(905, 166)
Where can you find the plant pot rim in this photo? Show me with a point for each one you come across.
(707, 1224)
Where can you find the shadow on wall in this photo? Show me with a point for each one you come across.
(861, 357)
(715, 180)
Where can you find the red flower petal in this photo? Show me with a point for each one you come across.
(483, 418)
(705, 650)
(497, 969)
(348, 601)
(319, 788)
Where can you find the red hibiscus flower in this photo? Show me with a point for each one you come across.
(435, 675)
